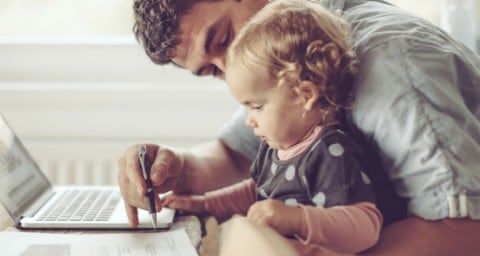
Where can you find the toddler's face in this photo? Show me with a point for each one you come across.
(274, 112)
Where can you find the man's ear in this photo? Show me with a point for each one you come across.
(309, 93)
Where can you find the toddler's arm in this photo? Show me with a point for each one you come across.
(346, 229)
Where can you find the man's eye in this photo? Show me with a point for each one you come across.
(216, 71)
(226, 40)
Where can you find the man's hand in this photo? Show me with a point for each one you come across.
(166, 173)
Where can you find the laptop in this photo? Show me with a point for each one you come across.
(34, 203)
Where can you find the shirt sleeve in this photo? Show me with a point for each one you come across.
(418, 104)
(235, 199)
(238, 137)
(344, 229)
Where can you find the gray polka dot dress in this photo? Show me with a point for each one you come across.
(330, 171)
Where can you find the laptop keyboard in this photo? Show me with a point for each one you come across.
(82, 205)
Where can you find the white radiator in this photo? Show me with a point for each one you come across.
(84, 162)
(80, 171)
(78, 162)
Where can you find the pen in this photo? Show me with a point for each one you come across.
(142, 153)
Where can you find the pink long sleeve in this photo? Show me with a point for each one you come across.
(344, 229)
(235, 199)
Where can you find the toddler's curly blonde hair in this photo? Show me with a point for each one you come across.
(298, 40)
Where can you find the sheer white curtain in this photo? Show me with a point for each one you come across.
(461, 18)
(458, 17)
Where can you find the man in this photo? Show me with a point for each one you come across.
(417, 106)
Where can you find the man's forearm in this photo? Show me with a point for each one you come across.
(416, 236)
(212, 165)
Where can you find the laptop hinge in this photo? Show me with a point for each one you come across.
(35, 205)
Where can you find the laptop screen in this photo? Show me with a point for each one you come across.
(21, 180)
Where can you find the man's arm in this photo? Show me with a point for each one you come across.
(212, 165)
(415, 236)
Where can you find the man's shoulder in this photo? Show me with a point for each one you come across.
(375, 23)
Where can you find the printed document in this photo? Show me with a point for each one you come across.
(169, 243)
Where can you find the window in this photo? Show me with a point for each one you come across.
(73, 76)
(458, 17)
(68, 17)
(71, 71)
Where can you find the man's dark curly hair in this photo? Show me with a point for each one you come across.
(156, 26)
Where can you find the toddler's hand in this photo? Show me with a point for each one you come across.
(194, 204)
(286, 220)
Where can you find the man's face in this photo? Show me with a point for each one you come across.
(207, 30)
